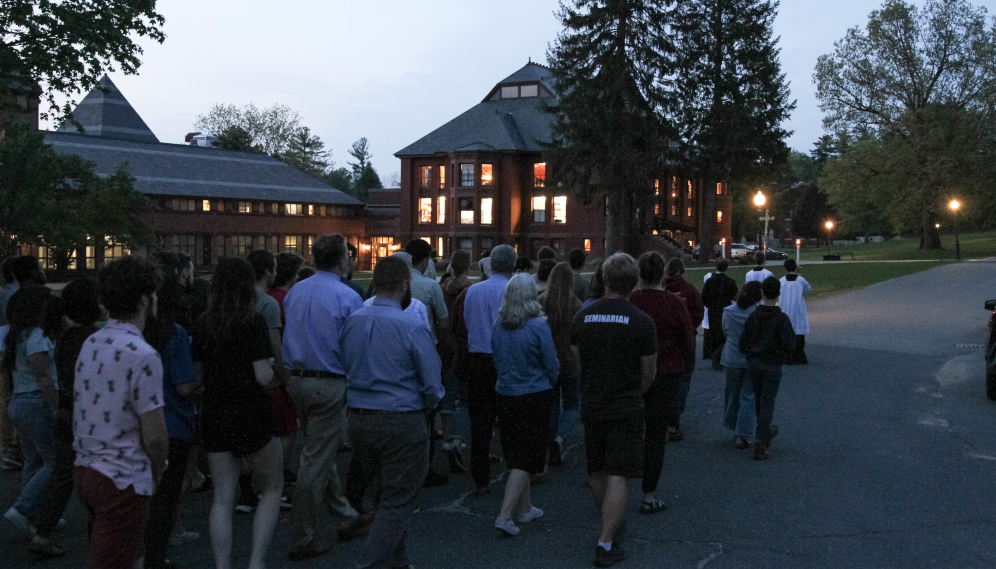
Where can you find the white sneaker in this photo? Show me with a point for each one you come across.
(533, 514)
(506, 525)
(22, 523)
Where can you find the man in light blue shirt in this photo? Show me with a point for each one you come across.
(316, 310)
(480, 312)
(392, 382)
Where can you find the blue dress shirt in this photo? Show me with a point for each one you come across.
(391, 360)
(316, 310)
(526, 359)
(480, 311)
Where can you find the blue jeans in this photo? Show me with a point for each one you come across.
(739, 414)
(566, 404)
(34, 421)
(765, 378)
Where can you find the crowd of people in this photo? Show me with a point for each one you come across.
(268, 360)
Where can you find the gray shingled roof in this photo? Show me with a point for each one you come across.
(108, 115)
(194, 171)
(495, 125)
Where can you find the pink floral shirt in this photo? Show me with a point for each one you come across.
(119, 378)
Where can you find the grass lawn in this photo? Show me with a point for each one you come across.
(973, 246)
(831, 279)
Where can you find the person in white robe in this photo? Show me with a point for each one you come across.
(793, 304)
(758, 273)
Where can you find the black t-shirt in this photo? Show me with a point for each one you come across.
(611, 336)
(229, 377)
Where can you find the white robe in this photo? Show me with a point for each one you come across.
(758, 276)
(793, 303)
(705, 318)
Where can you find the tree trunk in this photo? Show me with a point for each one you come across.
(931, 239)
(707, 207)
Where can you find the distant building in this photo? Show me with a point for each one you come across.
(206, 202)
(480, 180)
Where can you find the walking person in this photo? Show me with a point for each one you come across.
(677, 284)
(180, 382)
(453, 286)
(717, 293)
(543, 274)
(560, 305)
(120, 431)
(232, 350)
(316, 311)
(81, 308)
(615, 345)
(793, 303)
(481, 305)
(392, 382)
(526, 360)
(767, 340)
(675, 348)
(759, 272)
(739, 414)
(29, 364)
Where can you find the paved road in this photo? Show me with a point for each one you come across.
(886, 458)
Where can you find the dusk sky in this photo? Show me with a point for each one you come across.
(392, 70)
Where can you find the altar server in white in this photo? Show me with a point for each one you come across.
(793, 304)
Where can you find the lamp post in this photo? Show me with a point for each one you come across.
(829, 226)
(759, 201)
(954, 207)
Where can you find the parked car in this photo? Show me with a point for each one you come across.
(991, 352)
(769, 254)
(738, 250)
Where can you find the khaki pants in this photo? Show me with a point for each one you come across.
(321, 408)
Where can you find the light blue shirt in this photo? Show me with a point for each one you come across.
(526, 359)
(33, 342)
(480, 311)
(316, 310)
(391, 360)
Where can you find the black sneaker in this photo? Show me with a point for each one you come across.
(434, 479)
(607, 558)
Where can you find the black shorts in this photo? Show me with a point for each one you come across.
(240, 430)
(615, 446)
(524, 429)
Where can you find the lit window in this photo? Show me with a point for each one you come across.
(292, 209)
(674, 210)
(311, 242)
(425, 210)
(441, 210)
(689, 189)
(486, 211)
(539, 209)
(719, 216)
(311, 210)
(560, 209)
(487, 175)
(689, 212)
(113, 251)
(245, 207)
(509, 92)
(657, 187)
(657, 209)
(442, 177)
(587, 245)
(466, 211)
(719, 189)
(292, 244)
(466, 174)
(529, 90)
(439, 246)
(206, 206)
(539, 175)
(427, 240)
(426, 176)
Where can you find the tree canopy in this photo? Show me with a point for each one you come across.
(65, 47)
(922, 83)
(364, 176)
(270, 129)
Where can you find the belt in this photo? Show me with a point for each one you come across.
(316, 374)
(357, 411)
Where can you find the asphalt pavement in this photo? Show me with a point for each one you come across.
(886, 457)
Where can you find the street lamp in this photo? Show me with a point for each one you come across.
(759, 201)
(954, 207)
(829, 226)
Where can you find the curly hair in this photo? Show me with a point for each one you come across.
(124, 282)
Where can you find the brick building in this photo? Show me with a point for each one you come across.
(206, 202)
(480, 180)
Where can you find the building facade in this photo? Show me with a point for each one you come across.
(480, 180)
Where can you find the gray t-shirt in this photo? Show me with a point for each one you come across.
(268, 308)
(35, 343)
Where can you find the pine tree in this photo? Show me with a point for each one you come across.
(364, 176)
(732, 95)
(307, 153)
(611, 65)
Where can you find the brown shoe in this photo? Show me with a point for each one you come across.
(356, 527)
(741, 443)
(315, 548)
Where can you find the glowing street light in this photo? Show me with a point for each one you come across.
(759, 199)
(954, 207)
(829, 226)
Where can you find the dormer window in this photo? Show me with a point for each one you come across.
(509, 92)
(516, 91)
(529, 91)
